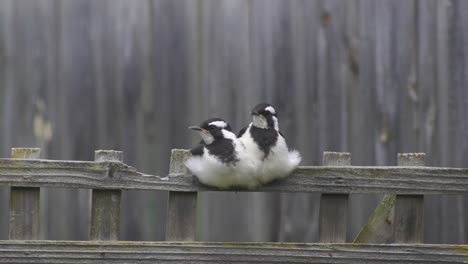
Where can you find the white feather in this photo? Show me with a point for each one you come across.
(278, 164)
(260, 121)
(211, 171)
(220, 124)
(270, 109)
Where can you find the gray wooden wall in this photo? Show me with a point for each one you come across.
(370, 77)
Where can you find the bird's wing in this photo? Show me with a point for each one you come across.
(242, 131)
(197, 151)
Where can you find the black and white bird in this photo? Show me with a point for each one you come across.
(263, 140)
(221, 160)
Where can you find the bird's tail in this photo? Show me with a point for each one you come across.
(294, 158)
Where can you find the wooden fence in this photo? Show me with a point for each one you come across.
(107, 176)
(370, 77)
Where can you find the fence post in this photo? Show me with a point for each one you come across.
(182, 206)
(24, 203)
(105, 208)
(334, 207)
(409, 208)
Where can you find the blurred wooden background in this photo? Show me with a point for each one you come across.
(370, 77)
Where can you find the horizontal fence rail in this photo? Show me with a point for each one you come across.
(108, 175)
(344, 179)
(88, 252)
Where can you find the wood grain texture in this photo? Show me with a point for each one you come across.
(105, 205)
(24, 203)
(408, 221)
(409, 218)
(339, 72)
(74, 109)
(182, 206)
(231, 45)
(298, 98)
(347, 179)
(333, 218)
(88, 252)
(362, 113)
(438, 40)
(380, 228)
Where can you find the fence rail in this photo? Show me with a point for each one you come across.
(87, 252)
(108, 175)
(327, 179)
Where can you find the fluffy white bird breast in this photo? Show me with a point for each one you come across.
(278, 164)
(211, 171)
(251, 147)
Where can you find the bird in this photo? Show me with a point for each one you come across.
(220, 160)
(264, 141)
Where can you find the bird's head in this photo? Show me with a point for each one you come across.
(264, 116)
(212, 129)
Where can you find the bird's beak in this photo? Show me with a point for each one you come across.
(195, 128)
(255, 113)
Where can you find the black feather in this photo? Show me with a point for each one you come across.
(197, 151)
(242, 131)
(265, 138)
(224, 150)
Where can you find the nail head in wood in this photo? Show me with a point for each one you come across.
(24, 203)
(334, 207)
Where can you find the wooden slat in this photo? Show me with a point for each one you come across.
(380, 227)
(105, 210)
(182, 206)
(409, 208)
(347, 179)
(333, 219)
(87, 252)
(24, 203)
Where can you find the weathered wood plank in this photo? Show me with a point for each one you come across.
(182, 206)
(346, 179)
(333, 219)
(409, 208)
(363, 104)
(210, 252)
(452, 43)
(235, 63)
(380, 228)
(24, 203)
(438, 40)
(105, 208)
